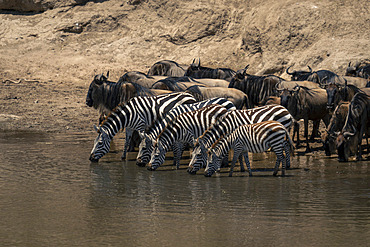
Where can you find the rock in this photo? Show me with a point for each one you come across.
(37, 5)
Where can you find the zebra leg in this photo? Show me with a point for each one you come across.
(246, 158)
(235, 159)
(287, 153)
(129, 133)
(178, 149)
(279, 158)
(242, 169)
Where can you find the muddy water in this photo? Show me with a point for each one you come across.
(50, 195)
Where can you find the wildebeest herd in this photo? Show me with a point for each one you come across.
(173, 107)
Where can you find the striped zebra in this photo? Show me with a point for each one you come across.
(184, 129)
(146, 145)
(137, 114)
(229, 123)
(254, 138)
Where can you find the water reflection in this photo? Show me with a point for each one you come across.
(50, 193)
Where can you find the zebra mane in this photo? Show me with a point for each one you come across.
(218, 141)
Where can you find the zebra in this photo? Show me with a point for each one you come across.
(137, 114)
(146, 145)
(229, 123)
(255, 138)
(184, 129)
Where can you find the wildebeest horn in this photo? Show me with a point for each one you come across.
(296, 88)
(349, 65)
(277, 87)
(348, 134)
(287, 70)
(199, 62)
(246, 67)
(193, 61)
(309, 68)
(108, 74)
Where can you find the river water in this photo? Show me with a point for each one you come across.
(51, 195)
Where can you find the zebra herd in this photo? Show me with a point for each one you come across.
(212, 127)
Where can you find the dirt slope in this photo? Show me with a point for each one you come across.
(65, 46)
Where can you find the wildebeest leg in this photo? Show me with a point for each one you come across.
(127, 142)
(315, 130)
(296, 132)
(306, 134)
(178, 149)
(246, 158)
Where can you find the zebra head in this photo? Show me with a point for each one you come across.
(213, 163)
(198, 157)
(158, 156)
(145, 149)
(101, 145)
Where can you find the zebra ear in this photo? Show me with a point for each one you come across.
(97, 129)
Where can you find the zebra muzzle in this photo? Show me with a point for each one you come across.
(92, 159)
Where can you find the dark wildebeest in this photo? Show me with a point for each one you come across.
(256, 87)
(336, 124)
(196, 71)
(105, 95)
(315, 76)
(357, 123)
(140, 78)
(167, 68)
(336, 93)
(358, 70)
(307, 104)
(237, 97)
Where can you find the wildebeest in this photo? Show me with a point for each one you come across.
(196, 71)
(140, 78)
(358, 70)
(357, 123)
(176, 84)
(180, 84)
(315, 76)
(356, 81)
(237, 97)
(256, 87)
(336, 93)
(167, 68)
(336, 124)
(307, 104)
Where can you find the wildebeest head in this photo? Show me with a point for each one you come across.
(351, 70)
(299, 75)
(331, 90)
(346, 144)
(194, 69)
(286, 95)
(238, 78)
(97, 82)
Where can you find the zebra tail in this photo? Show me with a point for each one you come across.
(291, 145)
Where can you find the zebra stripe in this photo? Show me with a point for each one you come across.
(184, 129)
(137, 114)
(229, 123)
(255, 138)
(146, 145)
